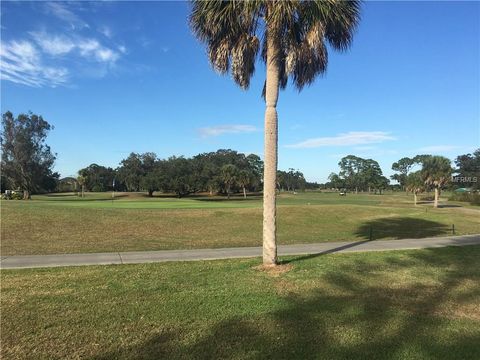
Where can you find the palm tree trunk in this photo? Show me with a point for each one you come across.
(435, 203)
(271, 153)
(244, 193)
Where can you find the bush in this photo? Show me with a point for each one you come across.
(472, 198)
(17, 196)
(13, 195)
(427, 198)
(98, 188)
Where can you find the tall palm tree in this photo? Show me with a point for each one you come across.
(291, 37)
(436, 172)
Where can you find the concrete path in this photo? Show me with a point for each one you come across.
(36, 261)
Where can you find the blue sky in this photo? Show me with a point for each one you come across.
(117, 77)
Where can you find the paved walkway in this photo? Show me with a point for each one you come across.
(35, 261)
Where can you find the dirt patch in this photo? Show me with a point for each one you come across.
(459, 311)
(274, 270)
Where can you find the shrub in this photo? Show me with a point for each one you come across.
(472, 198)
(17, 196)
(98, 188)
(427, 198)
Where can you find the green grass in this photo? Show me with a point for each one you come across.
(67, 224)
(141, 201)
(422, 304)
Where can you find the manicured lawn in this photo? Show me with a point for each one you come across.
(67, 224)
(421, 304)
(203, 201)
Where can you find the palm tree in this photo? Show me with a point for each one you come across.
(415, 184)
(229, 177)
(291, 37)
(436, 172)
(82, 181)
(244, 180)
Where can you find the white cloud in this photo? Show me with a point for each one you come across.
(106, 55)
(106, 31)
(62, 12)
(89, 48)
(21, 63)
(53, 44)
(24, 62)
(346, 139)
(438, 148)
(226, 129)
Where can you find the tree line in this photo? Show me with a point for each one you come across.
(224, 171)
(27, 165)
(434, 173)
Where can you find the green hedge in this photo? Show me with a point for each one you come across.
(472, 198)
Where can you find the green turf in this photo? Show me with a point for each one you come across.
(141, 201)
(66, 224)
(422, 304)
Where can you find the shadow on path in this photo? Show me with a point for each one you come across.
(312, 256)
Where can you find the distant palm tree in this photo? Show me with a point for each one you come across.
(82, 181)
(436, 172)
(229, 173)
(244, 179)
(293, 36)
(415, 184)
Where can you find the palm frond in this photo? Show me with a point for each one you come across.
(232, 31)
(340, 18)
(244, 54)
(228, 29)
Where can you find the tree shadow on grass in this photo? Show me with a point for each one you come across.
(60, 195)
(73, 197)
(232, 198)
(358, 313)
(401, 228)
(207, 197)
